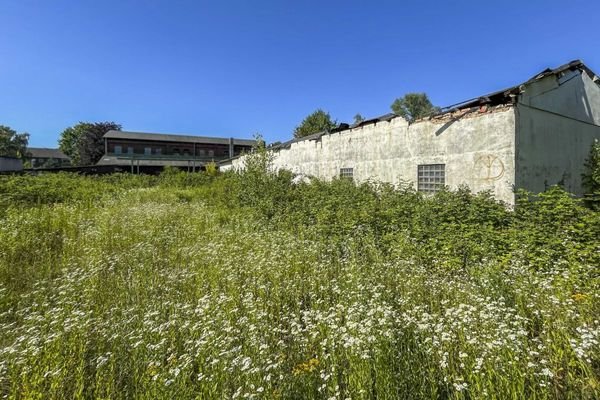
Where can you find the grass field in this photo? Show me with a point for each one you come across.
(195, 286)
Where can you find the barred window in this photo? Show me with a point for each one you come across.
(431, 177)
(347, 173)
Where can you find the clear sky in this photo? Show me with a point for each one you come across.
(233, 68)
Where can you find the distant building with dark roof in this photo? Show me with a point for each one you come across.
(41, 157)
(157, 149)
(10, 164)
(530, 136)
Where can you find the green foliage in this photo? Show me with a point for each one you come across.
(318, 121)
(259, 186)
(212, 168)
(84, 143)
(413, 106)
(173, 177)
(190, 285)
(12, 144)
(591, 176)
(23, 190)
(358, 118)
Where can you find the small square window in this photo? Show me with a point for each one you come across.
(118, 149)
(147, 151)
(347, 173)
(431, 178)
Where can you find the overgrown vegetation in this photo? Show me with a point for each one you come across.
(251, 286)
(591, 176)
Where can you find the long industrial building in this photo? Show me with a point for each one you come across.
(532, 135)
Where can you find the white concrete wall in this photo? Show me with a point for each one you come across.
(477, 149)
(558, 119)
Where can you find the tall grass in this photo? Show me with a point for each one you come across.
(248, 286)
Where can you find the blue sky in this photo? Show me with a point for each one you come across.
(233, 68)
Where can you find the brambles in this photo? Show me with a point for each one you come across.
(197, 286)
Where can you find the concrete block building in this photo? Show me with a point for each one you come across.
(529, 136)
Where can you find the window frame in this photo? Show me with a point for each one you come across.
(431, 178)
(347, 173)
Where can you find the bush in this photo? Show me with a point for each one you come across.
(591, 176)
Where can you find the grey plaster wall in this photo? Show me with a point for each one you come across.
(558, 119)
(10, 164)
(477, 150)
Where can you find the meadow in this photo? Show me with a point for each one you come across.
(208, 286)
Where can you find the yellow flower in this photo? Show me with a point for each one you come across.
(579, 296)
(306, 367)
(152, 370)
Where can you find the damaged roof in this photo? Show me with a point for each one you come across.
(505, 96)
(500, 97)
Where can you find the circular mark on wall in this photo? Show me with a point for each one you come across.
(489, 167)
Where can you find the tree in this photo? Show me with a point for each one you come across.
(358, 118)
(591, 176)
(12, 144)
(318, 121)
(413, 106)
(84, 142)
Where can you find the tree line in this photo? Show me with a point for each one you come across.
(411, 107)
(83, 142)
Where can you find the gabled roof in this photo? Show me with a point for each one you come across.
(163, 137)
(43, 152)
